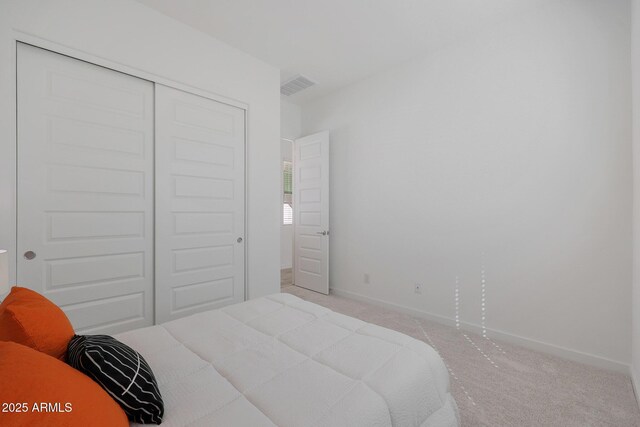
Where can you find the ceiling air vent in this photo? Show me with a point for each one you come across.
(295, 85)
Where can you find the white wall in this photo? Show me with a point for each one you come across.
(514, 142)
(635, 300)
(290, 120)
(130, 36)
(290, 123)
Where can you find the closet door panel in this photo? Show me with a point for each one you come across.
(85, 190)
(199, 203)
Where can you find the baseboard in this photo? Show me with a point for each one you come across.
(555, 350)
(635, 384)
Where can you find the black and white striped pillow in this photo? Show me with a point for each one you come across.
(122, 372)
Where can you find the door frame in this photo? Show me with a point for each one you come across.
(9, 177)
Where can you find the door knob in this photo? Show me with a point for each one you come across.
(324, 233)
(239, 240)
(29, 255)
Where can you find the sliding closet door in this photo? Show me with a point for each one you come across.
(85, 190)
(199, 204)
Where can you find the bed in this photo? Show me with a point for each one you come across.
(280, 360)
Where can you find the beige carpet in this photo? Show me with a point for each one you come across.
(496, 384)
(286, 277)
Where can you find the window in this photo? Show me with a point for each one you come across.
(287, 187)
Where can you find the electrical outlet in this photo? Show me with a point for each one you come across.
(366, 278)
(418, 288)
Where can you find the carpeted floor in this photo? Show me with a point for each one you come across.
(497, 384)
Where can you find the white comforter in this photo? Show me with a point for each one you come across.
(280, 360)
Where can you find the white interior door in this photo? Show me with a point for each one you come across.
(311, 212)
(85, 190)
(199, 203)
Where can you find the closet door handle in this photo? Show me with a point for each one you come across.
(29, 255)
(239, 240)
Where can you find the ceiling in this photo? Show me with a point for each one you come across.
(338, 42)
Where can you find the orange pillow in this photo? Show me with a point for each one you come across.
(38, 390)
(28, 318)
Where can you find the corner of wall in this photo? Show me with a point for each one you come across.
(635, 299)
(635, 384)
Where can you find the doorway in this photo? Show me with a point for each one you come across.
(305, 213)
(286, 219)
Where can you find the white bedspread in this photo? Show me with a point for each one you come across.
(280, 360)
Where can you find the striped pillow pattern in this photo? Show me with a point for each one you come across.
(122, 372)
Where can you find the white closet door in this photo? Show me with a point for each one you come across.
(85, 190)
(199, 204)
